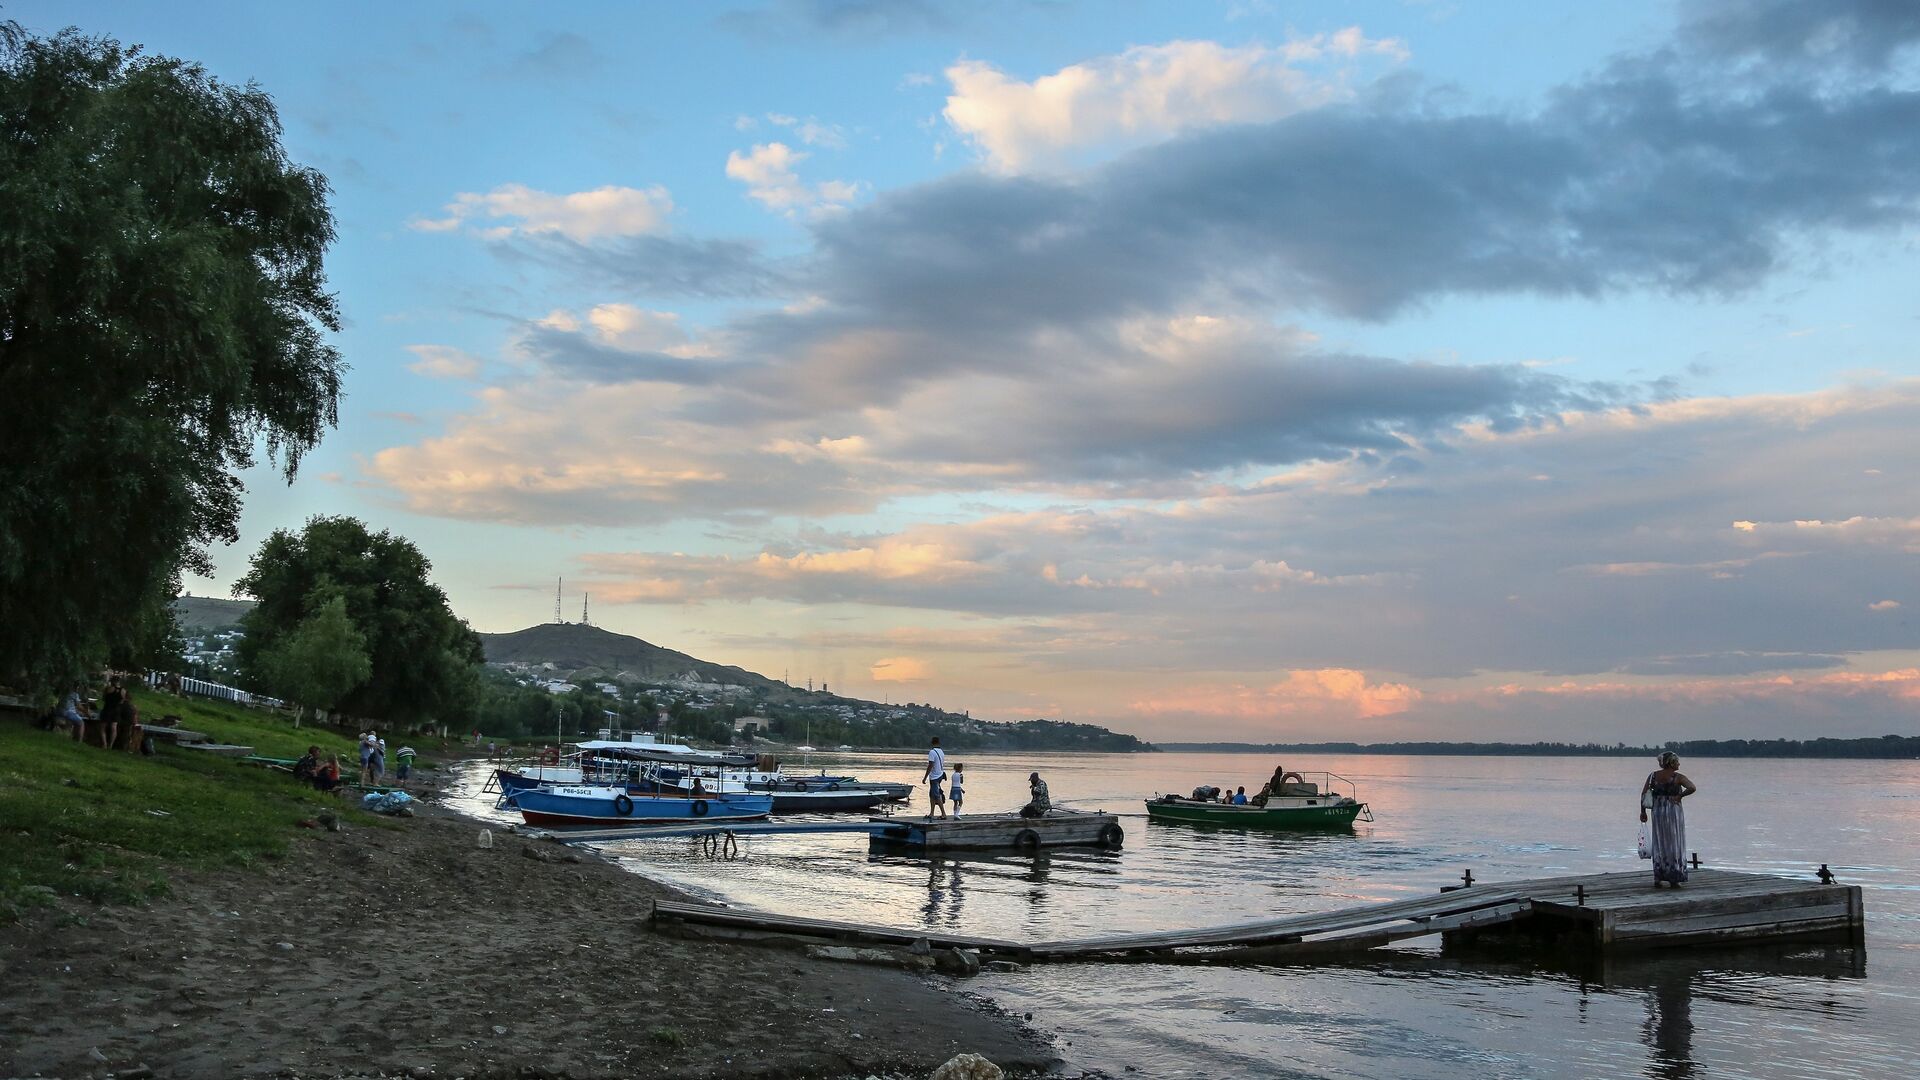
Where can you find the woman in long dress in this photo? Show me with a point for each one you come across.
(1664, 789)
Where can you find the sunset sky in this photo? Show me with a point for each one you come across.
(1419, 370)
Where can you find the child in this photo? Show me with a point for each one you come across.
(959, 787)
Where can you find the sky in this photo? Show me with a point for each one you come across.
(1234, 371)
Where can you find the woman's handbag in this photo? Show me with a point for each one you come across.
(1646, 793)
(1646, 841)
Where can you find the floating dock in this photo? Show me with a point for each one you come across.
(1599, 912)
(1002, 832)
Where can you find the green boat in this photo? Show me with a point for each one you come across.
(1303, 805)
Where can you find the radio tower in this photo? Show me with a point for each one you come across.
(584, 597)
(557, 582)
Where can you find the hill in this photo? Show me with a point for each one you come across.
(208, 612)
(577, 647)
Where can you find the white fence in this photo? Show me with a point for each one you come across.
(203, 688)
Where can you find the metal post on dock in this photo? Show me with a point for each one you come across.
(1466, 879)
(1695, 862)
(1825, 875)
(1580, 895)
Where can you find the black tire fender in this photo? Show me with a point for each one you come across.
(1111, 835)
(699, 808)
(622, 805)
(1026, 839)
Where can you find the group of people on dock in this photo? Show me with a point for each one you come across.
(936, 778)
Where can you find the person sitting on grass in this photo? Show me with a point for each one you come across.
(308, 766)
(327, 777)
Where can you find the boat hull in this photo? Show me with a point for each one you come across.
(562, 806)
(1326, 815)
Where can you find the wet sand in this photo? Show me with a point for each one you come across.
(409, 950)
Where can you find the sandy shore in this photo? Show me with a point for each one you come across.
(411, 951)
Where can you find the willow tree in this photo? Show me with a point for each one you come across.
(162, 314)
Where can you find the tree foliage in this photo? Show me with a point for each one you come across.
(162, 308)
(322, 661)
(423, 660)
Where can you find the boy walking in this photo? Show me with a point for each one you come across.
(959, 787)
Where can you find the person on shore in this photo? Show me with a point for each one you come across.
(1038, 802)
(366, 755)
(327, 778)
(1660, 797)
(404, 759)
(378, 762)
(308, 766)
(73, 712)
(110, 698)
(959, 787)
(935, 777)
(127, 733)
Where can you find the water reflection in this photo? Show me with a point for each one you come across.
(1668, 1031)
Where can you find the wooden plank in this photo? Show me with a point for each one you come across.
(1755, 921)
(667, 910)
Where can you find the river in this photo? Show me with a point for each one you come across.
(1407, 1011)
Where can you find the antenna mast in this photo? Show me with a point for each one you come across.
(584, 597)
(557, 582)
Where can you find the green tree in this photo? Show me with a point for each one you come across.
(322, 661)
(425, 661)
(162, 308)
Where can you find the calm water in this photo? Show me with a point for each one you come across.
(1406, 1012)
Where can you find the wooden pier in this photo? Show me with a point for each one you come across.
(1598, 912)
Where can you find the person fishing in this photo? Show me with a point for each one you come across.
(1037, 802)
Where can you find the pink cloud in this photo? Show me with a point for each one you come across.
(1324, 692)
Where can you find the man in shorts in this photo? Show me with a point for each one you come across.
(936, 776)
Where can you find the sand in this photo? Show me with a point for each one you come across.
(411, 951)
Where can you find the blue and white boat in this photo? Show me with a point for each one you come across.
(582, 804)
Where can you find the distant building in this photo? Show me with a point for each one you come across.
(555, 686)
(751, 725)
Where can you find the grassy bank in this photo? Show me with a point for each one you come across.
(77, 820)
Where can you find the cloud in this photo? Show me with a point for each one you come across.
(1829, 36)
(1327, 693)
(809, 130)
(581, 216)
(1884, 605)
(654, 266)
(559, 56)
(443, 362)
(1143, 95)
(868, 20)
(901, 669)
(768, 172)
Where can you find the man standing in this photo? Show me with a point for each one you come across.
(405, 759)
(936, 775)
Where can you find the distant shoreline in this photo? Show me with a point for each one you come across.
(1884, 748)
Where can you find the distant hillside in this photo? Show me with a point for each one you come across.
(573, 646)
(206, 612)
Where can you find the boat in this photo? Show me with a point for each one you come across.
(1303, 805)
(595, 804)
(791, 795)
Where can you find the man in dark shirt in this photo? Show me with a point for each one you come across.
(306, 767)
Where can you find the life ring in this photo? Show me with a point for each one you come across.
(1110, 834)
(550, 756)
(699, 808)
(1297, 778)
(622, 805)
(1026, 839)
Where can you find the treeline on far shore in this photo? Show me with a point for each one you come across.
(1884, 746)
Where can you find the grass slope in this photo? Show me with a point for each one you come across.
(75, 819)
